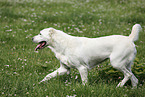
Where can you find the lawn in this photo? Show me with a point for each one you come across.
(21, 68)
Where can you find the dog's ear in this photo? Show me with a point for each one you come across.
(52, 30)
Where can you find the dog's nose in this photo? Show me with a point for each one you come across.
(32, 38)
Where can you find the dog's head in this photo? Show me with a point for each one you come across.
(44, 38)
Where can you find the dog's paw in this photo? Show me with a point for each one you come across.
(42, 81)
(134, 87)
(119, 85)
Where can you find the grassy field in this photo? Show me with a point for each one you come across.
(21, 68)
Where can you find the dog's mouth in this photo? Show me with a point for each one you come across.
(41, 45)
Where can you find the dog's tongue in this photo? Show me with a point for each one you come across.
(39, 46)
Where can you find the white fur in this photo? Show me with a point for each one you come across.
(85, 53)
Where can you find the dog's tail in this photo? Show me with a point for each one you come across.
(135, 32)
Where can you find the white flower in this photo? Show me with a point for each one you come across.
(71, 96)
(27, 93)
(25, 20)
(76, 77)
(7, 65)
(9, 30)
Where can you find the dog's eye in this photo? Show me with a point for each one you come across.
(40, 34)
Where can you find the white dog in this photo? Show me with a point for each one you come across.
(85, 53)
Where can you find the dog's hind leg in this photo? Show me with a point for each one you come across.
(134, 80)
(60, 71)
(121, 60)
(127, 76)
(121, 67)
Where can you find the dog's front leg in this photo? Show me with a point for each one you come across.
(84, 74)
(60, 71)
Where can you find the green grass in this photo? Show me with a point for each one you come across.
(21, 68)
